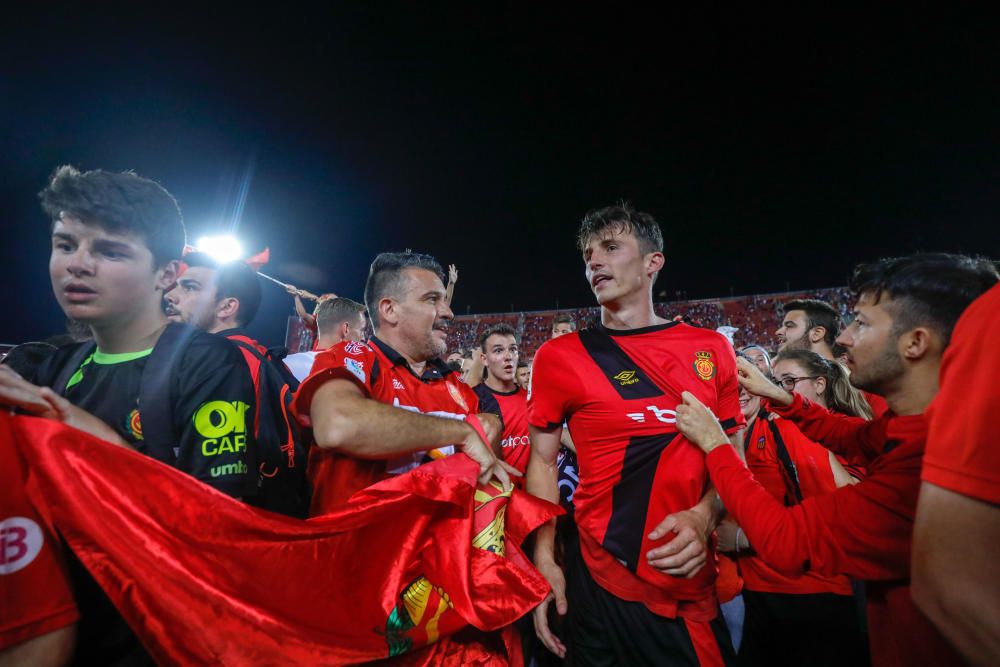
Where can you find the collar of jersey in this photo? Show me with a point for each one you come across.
(501, 393)
(634, 332)
(107, 359)
(396, 358)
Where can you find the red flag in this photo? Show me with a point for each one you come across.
(202, 578)
(259, 260)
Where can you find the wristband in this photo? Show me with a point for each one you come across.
(473, 421)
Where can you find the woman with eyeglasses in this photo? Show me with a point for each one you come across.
(791, 620)
(820, 380)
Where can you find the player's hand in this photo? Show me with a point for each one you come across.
(687, 553)
(699, 425)
(452, 274)
(78, 418)
(16, 392)
(758, 384)
(489, 465)
(557, 580)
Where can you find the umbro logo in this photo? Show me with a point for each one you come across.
(626, 378)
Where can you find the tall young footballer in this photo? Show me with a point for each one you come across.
(116, 239)
(500, 395)
(639, 588)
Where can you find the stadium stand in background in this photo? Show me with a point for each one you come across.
(756, 316)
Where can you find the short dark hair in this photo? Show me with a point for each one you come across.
(930, 289)
(521, 363)
(384, 276)
(625, 219)
(564, 318)
(236, 280)
(119, 203)
(333, 312)
(818, 314)
(500, 329)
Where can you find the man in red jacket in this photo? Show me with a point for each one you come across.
(905, 313)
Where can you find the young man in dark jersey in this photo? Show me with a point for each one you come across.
(905, 312)
(639, 588)
(116, 239)
(500, 395)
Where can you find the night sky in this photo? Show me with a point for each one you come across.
(776, 151)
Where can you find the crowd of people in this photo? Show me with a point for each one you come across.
(802, 480)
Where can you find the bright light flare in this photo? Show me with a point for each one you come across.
(224, 248)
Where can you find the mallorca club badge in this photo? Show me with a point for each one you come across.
(457, 395)
(704, 366)
(132, 424)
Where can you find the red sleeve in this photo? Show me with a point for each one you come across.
(962, 455)
(348, 361)
(854, 438)
(728, 390)
(549, 395)
(856, 531)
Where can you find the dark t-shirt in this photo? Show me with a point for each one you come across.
(213, 403)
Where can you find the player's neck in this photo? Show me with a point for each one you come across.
(501, 386)
(387, 336)
(326, 342)
(914, 393)
(134, 335)
(634, 313)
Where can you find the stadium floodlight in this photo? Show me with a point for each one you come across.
(223, 248)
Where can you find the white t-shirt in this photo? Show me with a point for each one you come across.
(301, 363)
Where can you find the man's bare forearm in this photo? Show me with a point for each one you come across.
(367, 429)
(543, 481)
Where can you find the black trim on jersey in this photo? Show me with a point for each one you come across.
(729, 423)
(631, 332)
(613, 360)
(630, 497)
(434, 370)
(487, 401)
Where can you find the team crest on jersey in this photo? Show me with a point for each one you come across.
(354, 347)
(133, 426)
(457, 395)
(703, 365)
(626, 378)
(760, 442)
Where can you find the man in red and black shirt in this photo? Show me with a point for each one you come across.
(640, 586)
(905, 313)
(385, 407)
(500, 395)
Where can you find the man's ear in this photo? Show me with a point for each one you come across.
(345, 329)
(167, 275)
(917, 343)
(654, 262)
(228, 308)
(816, 334)
(387, 312)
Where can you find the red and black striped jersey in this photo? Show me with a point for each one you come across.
(512, 408)
(619, 391)
(383, 375)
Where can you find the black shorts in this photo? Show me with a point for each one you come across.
(602, 629)
(785, 630)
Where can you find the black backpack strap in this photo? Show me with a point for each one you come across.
(155, 400)
(76, 359)
(791, 472)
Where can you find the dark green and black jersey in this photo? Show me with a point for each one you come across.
(212, 411)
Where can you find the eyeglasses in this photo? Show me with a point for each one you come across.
(788, 383)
